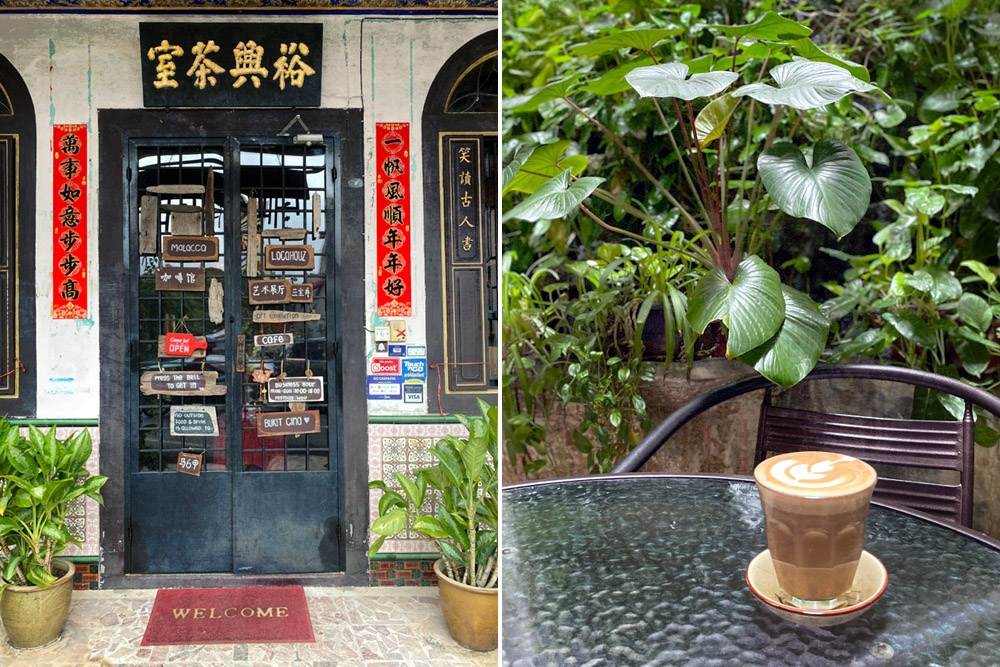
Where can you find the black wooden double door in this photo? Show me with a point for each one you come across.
(268, 498)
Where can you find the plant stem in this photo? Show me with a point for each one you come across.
(641, 167)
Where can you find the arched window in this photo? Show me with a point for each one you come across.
(17, 245)
(461, 158)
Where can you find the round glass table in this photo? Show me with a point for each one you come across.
(650, 570)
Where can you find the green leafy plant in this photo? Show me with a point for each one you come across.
(464, 484)
(735, 168)
(40, 475)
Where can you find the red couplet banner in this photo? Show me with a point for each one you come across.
(392, 201)
(69, 222)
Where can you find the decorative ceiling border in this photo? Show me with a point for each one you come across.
(297, 6)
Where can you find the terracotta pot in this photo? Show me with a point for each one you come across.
(34, 616)
(471, 613)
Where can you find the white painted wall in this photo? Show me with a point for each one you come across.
(74, 65)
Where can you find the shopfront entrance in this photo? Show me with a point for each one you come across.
(232, 318)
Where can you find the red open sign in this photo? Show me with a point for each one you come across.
(183, 345)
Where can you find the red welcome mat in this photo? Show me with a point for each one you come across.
(229, 616)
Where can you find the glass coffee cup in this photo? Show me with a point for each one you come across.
(815, 507)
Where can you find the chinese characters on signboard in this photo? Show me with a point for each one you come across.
(465, 205)
(392, 203)
(231, 64)
(69, 222)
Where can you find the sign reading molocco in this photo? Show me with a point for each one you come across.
(190, 248)
(231, 64)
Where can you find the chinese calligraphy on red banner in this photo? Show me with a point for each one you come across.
(392, 201)
(69, 222)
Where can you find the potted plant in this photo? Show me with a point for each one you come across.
(40, 475)
(464, 485)
(735, 165)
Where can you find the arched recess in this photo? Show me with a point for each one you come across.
(18, 370)
(461, 164)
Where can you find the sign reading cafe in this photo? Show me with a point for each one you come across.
(231, 64)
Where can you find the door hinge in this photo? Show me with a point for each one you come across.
(333, 173)
(128, 174)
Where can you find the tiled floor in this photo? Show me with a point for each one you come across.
(356, 627)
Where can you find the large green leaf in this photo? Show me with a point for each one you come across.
(752, 306)
(613, 81)
(771, 26)
(511, 169)
(794, 351)
(671, 80)
(806, 48)
(557, 198)
(834, 190)
(544, 163)
(910, 326)
(805, 84)
(975, 311)
(641, 39)
(712, 120)
(390, 524)
(553, 91)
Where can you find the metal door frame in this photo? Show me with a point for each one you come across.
(115, 129)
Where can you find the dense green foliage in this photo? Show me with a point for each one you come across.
(465, 485)
(914, 281)
(40, 476)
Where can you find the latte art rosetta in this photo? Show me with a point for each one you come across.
(815, 473)
(820, 475)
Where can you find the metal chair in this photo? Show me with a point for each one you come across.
(881, 441)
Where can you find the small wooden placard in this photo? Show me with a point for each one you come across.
(269, 291)
(287, 423)
(301, 293)
(181, 383)
(177, 189)
(293, 257)
(273, 340)
(189, 463)
(295, 389)
(286, 234)
(148, 223)
(274, 316)
(193, 420)
(190, 248)
(180, 279)
(187, 223)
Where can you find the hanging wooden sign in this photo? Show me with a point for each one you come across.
(269, 291)
(301, 293)
(148, 223)
(180, 279)
(287, 423)
(190, 248)
(176, 189)
(253, 240)
(181, 345)
(284, 234)
(275, 316)
(289, 257)
(273, 340)
(187, 223)
(189, 463)
(292, 389)
(181, 383)
(193, 420)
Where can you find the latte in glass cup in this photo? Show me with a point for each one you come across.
(815, 507)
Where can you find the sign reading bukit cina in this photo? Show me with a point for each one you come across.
(231, 64)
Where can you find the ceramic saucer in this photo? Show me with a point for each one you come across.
(870, 583)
